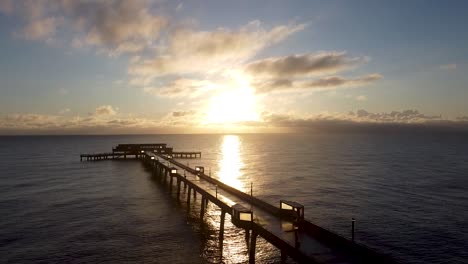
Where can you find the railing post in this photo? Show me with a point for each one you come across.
(352, 229)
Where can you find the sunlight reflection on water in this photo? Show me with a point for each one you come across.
(230, 164)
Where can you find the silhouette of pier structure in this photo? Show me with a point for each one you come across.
(284, 226)
(124, 151)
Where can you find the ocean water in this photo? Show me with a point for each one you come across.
(407, 192)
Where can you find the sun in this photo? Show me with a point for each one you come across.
(233, 105)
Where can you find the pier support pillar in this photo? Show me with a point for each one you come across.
(253, 244)
(284, 256)
(202, 210)
(178, 188)
(188, 197)
(221, 228)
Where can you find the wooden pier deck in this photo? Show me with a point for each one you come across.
(294, 236)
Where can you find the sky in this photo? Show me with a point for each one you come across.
(131, 66)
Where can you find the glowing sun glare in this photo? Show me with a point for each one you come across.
(232, 106)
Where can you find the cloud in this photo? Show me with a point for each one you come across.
(105, 110)
(183, 113)
(63, 91)
(182, 88)
(324, 83)
(406, 116)
(41, 29)
(191, 121)
(364, 121)
(64, 111)
(361, 98)
(191, 51)
(449, 67)
(6, 6)
(179, 7)
(303, 65)
(22, 121)
(111, 26)
(116, 26)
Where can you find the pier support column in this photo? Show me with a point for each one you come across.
(253, 244)
(170, 182)
(284, 256)
(202, 210)
(178, 189)
(188, 197)
(221, 228)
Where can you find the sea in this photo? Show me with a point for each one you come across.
(407, 191)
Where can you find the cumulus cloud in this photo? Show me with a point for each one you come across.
(117, 26)
(330, 82)
(183, 113)
(113, 26)
(182, 88)
(6, 6)
(191, 51)
(105, 110)
(451, 66)
(303, 64)
(64, 111)
(41, 29)
(35, 121)
(312, 71)
(361, 98)
(191, 120)
(364, 121)
(406, 116)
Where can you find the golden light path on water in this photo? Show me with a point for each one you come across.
(235, 246)
(230, 164)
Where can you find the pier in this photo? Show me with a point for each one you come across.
(284, 225)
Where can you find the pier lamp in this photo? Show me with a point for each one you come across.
(152, 158)
(199, 169)
(292, 209)
(169, 156)
(142, 151)
(241, 216)
(173, 170)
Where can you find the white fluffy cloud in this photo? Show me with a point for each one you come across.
(182, 88)
(191, 51)
(449, 67)
(105, 110)
(6, 6)
(112, 26)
